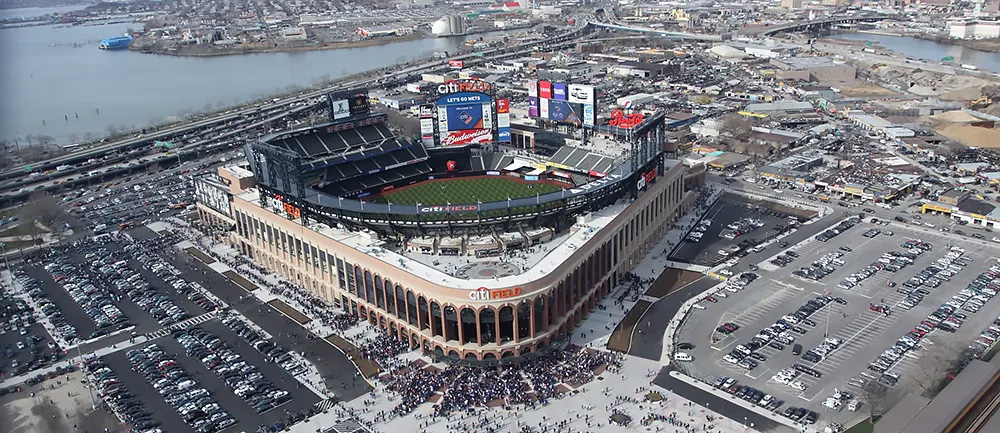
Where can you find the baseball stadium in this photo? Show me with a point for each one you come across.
(478, 252)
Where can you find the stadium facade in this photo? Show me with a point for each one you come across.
(304, 216)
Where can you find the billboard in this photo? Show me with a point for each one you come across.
(559, 91)
(532, 89)
(465, 113)
(458, 64)
(467, 116)
(545, 89)
(503, 120)
(533, 107)
(469, 136)
(582, 94)
(565, 112)
(348, 103)
(543, 108)
(589, 117)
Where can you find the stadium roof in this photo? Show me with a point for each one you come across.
(948, 405)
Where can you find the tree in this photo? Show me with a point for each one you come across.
(935, 363)
(874, 394)
(42, 209)
(45, 140)
(737, 126)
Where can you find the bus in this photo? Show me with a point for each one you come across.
(125, 225)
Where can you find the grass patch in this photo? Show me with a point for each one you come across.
(290, 311)
(621, 338)
(670, 280)
(654, 396)
(18, 230)
(16, 245)
(368, 367)
(465, 190)
(862, 427)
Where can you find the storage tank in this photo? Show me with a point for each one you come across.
(449, 25)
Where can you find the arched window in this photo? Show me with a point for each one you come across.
(400, 302)
(540, 314)
(487, 325)
(506, 317)
(358, 281)
(390, 298)
(450, 323)
(524, 320)
(411, 307)
(435, 318)
(379, 293)
(369, 287)
(468, 324)
(425, 317)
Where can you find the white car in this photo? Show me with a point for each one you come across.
(726, 272)
(724, 253)
(798, 385)
(681, 356)
(699, 306)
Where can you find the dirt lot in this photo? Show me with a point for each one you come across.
(865, 89)
(66, 407)
(972, 135)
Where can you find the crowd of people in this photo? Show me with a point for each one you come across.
(532, 382)
(316, 308)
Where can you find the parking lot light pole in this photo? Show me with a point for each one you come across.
(90, 384)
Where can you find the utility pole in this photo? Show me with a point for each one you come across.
(90, 383)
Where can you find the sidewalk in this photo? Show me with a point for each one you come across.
(585, 409)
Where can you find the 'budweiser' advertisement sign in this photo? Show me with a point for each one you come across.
(620, 120)
(468, 136)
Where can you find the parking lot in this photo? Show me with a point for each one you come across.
(104, 287)
(217, 371)
(844, 326)
(733, 224)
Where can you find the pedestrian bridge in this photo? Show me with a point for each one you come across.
(665, 33)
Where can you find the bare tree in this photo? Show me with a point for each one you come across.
(935, 363)
(45, 140)
(874, 394)
(738, 127)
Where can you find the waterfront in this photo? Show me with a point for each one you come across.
(55, 72)
(929, 50)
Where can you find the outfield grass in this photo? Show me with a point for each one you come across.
(465, 191)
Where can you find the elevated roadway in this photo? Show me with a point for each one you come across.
(18, 185)
(815, 24)
(269, 107)
(659, 32)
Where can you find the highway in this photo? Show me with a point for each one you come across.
(19, 185)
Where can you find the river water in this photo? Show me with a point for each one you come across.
(51, 72)
(930, 50)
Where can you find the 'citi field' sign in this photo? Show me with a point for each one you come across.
(484, 294)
